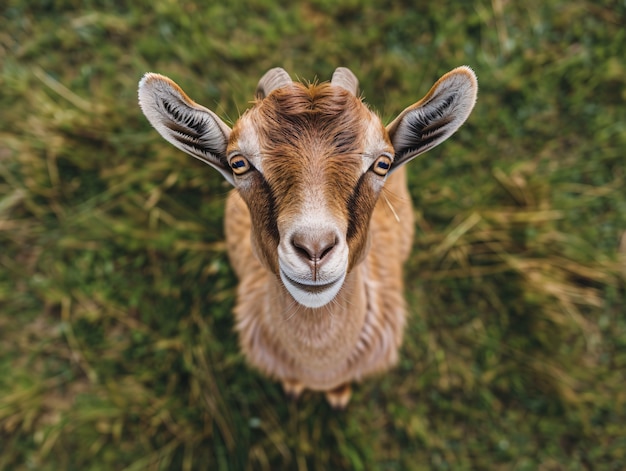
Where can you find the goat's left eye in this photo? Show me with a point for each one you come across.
(239, 164)
(382, 165)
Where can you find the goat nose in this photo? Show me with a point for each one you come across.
(314, 247)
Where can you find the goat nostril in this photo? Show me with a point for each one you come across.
(302, 251)
(327, 250)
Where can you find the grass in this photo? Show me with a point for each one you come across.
(117, 349)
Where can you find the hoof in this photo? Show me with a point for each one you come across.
(339, 397)
(293, 389)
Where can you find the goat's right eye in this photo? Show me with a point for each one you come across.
(382, 165)
(239, 164)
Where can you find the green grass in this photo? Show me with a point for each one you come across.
(117, 349)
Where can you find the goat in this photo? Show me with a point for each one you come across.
(320, 220)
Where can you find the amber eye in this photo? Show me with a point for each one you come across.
(239, 164)
(382, 165)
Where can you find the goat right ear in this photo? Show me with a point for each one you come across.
(435, 117)
(185, 124)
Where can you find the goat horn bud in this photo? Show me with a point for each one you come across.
(345, 79)
(273, 79)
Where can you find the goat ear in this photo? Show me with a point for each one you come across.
(185, 124)
(435, 117)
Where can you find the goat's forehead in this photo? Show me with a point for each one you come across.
(323, 121)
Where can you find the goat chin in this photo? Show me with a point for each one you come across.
(313, 295)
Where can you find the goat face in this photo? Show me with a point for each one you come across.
(310, 163)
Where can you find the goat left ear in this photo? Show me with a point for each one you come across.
(435, 117)
(182, 122)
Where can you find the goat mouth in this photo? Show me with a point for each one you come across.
(309, 288)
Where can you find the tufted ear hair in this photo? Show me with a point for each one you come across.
(435, 117)
(185, 124)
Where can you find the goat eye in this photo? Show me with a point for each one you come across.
(239, 164)
(382, 165)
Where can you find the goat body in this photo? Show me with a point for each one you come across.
(320, 220)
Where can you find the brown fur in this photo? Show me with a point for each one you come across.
(310, 136)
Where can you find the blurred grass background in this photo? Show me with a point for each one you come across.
(117, 349)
